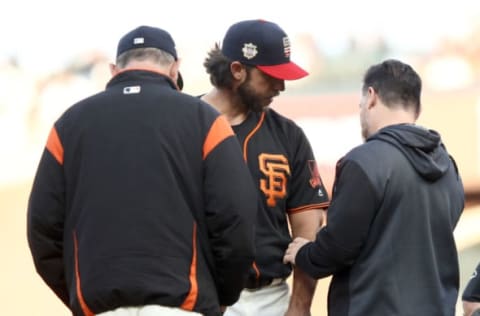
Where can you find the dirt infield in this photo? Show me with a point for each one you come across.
(24, 293)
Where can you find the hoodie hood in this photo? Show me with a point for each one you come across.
(422, 147)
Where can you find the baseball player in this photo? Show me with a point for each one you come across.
(471, 295)
(247, 72)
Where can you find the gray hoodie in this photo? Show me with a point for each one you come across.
(389, 242)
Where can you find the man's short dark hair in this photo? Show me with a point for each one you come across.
(396, 83)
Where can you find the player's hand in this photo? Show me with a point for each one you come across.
(471, 308)
(293, 249)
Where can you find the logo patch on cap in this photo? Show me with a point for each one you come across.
(138, 40)
(249, 50)
(286, 46)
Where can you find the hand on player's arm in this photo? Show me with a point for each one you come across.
(293, 249)
(470, 307)
(305, 226)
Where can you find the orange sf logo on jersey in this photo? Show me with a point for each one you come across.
(276, 169)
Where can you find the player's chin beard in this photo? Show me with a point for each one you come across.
(248, 97)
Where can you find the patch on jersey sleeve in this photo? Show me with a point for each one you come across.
(315, 180)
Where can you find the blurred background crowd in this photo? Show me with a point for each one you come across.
(64, 52)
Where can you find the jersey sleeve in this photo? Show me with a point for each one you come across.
(45, 217)
(306, 189)
(230, 210)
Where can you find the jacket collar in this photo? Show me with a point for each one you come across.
(144, 75)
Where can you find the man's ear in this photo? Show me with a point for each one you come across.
(372, 98)
(239, 72)
(113, 69)
(174, 74)
(173, 71)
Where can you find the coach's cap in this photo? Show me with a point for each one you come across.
(262, 44)
(147, 36)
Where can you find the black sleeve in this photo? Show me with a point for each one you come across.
(306, 185)
(350, 213)
(231, 205)
(45, 219)
(472, 290)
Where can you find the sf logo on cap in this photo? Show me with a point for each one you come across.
(249, 50)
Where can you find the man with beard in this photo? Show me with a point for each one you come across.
(247, 72)
(397, 198)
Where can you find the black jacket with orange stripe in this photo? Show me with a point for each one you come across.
(142, 197)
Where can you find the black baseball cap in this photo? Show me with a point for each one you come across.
(147, 36)
(262, 44)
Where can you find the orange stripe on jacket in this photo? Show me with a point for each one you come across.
(219, 131)
(191, 298)
(86, 310)
(54, 145)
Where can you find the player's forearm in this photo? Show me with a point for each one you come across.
(306, 224)
(303, 290)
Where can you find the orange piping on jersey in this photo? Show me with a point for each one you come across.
(245, 145)
(247, 139)
(219, 131)
(308, 207)
(191, 298)
(86, 310)
(54, 146)
(257, 271)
